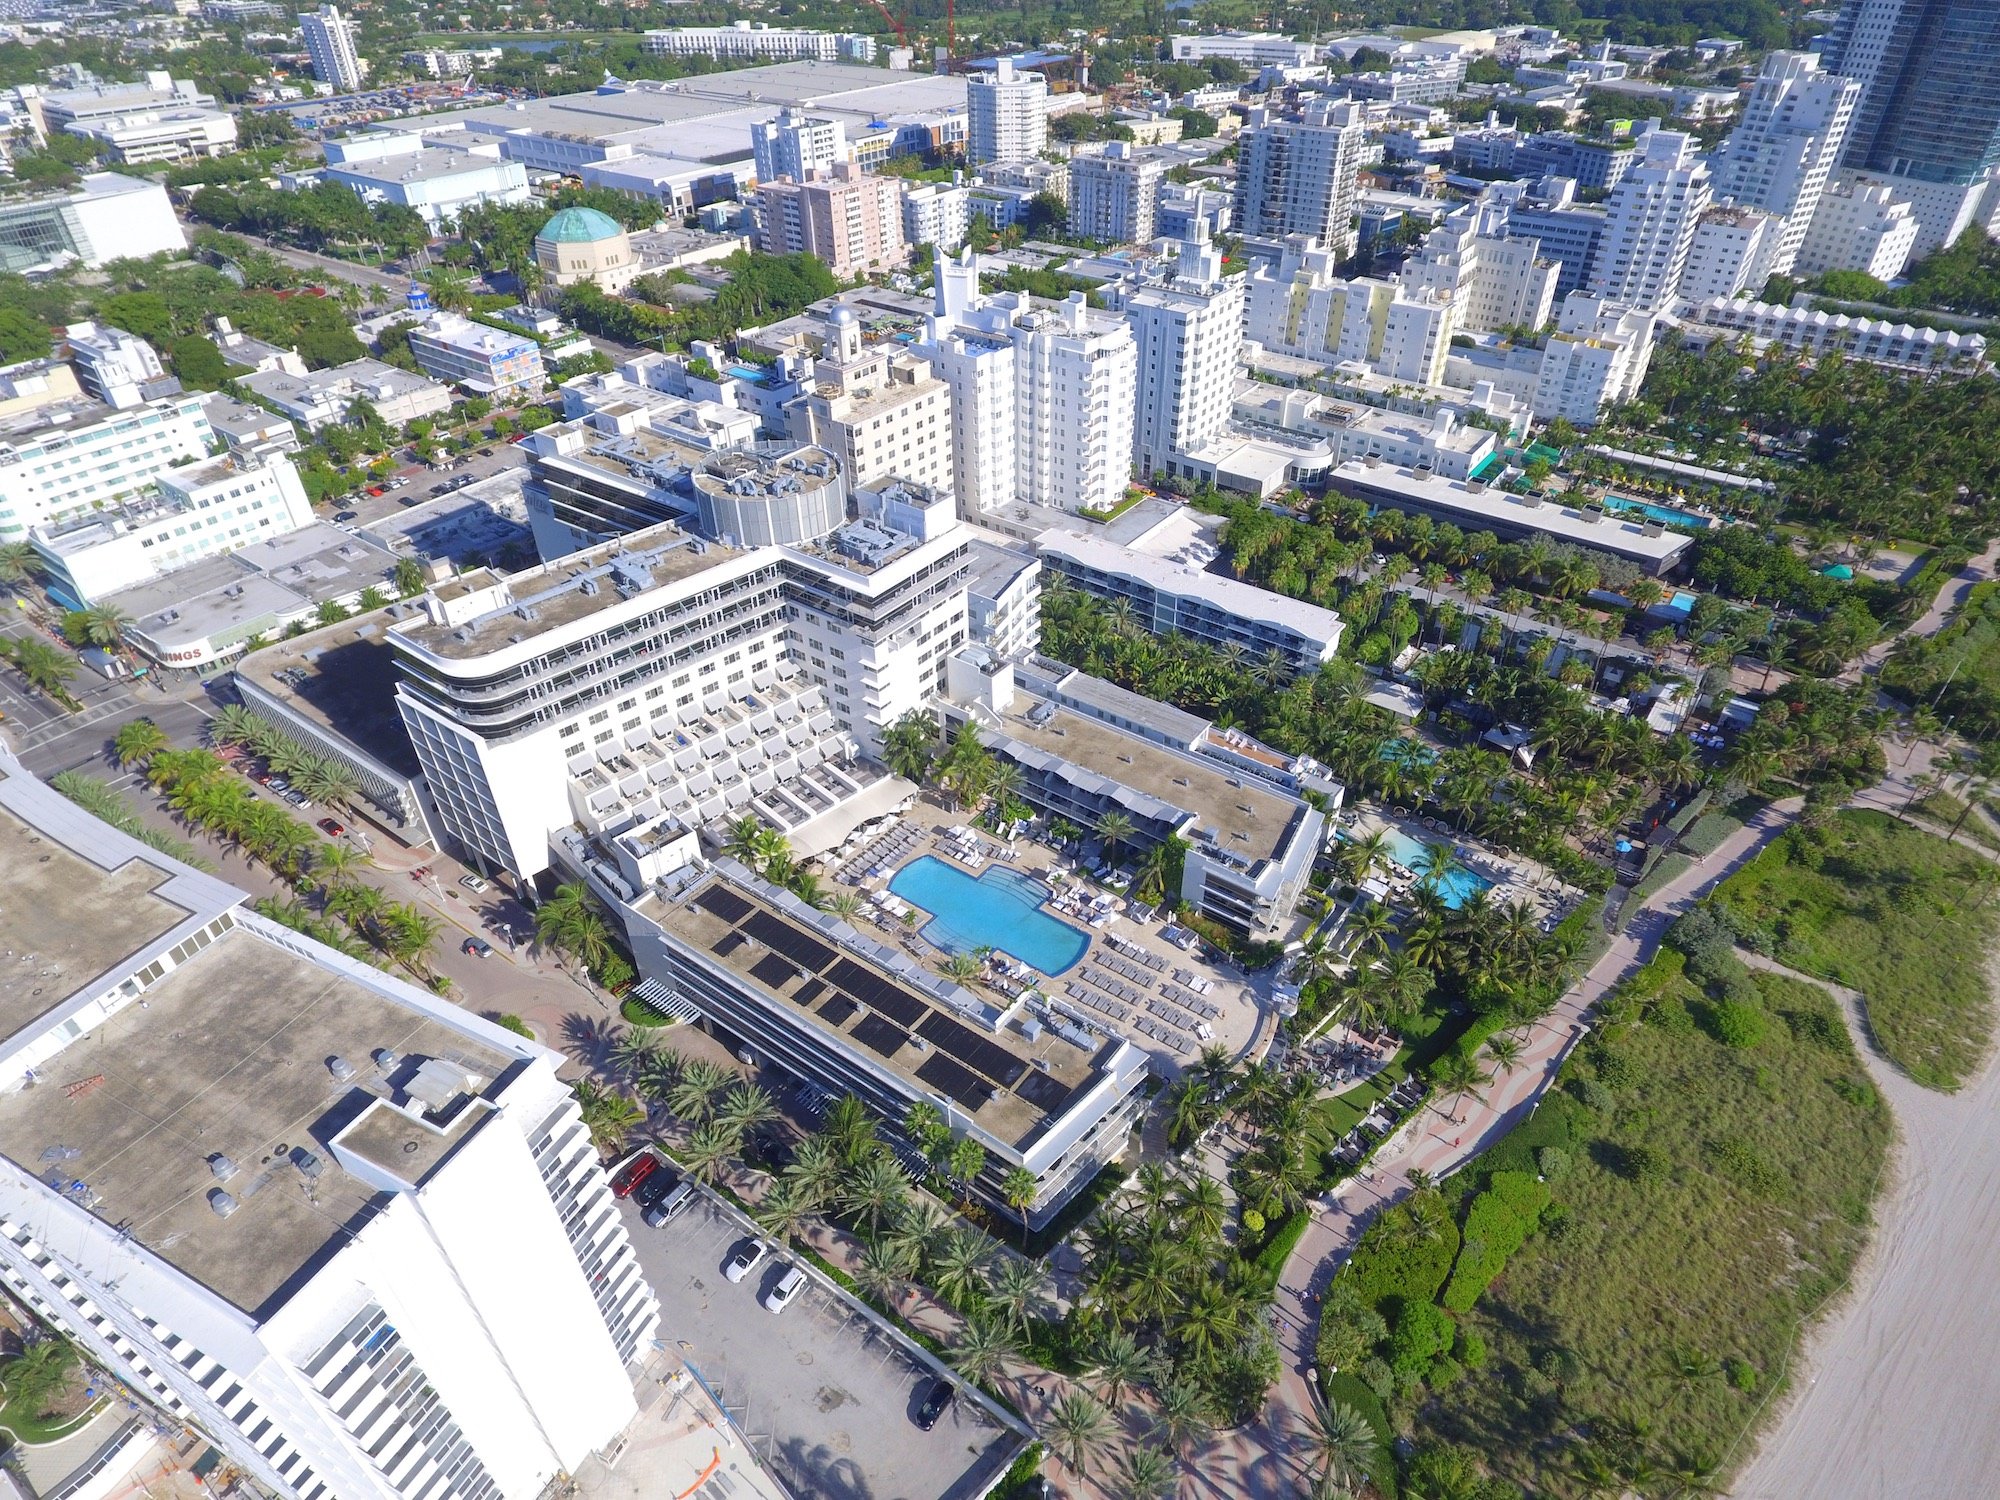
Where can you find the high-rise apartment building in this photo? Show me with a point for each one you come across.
(1006, 114)
(1115, 196)
(1493, 279)
(1780, 155)
(796, 145)
(1733, 251)
(329, 39)
(1650, 223)
(1042, 395)
(353, 1233)
(1859, 226)
(1190, 331)
(74, 455)
(878, 406)
(846, 217)
(1300, 176)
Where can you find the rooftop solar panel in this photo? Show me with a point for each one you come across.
(872, 989)
(970, 1048)
(780, 936)
(808, 992)
(727, 944)
(1044, 1092)
(879, 1035)
(836, 1011)
(719, 901)
(775, 970)
(958, 1083)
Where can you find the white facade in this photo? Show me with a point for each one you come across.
(1781, 154)
(937, 214)
(1493, 281)
(1254, 49)
(95, 457)
(1076, 392)
(1190, 331)
(796, 145)
(1650, 223)
(880, 408)
(436, 179)
(1859, 226)
(1597, 357)
(1007, 114)
(1902, 346)
(1734, 250)
(111, 364)
(425, 1288)
(484, 360)
(1115, 196)
(329, 39)
(322, 398)
(168, 133)
(748, 40)
(117, 216)
(1301, 176)
(526, 725)
(1299, 306)
(200, 510)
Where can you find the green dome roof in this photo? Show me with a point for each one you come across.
(574, 226)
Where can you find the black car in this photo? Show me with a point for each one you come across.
(656, 1186)
(937, 1401)
(769, 1148)
(346, 515)
(485, 452)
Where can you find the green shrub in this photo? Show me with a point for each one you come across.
(1498, 1223)
(1423, 1331)
(1444, 1371)
(1552, 1161)
(1398, 1257)
(1671, 1017)
(1253, 1222)
(1592, 1095)
(1744, 1165)
(1736, 1024)
(1614, 1068)
(1378, 1377)
(1742, 1375)
(1819, 1028)
(1351, 1390)
(1470, 1349)
(1642, 1163)
(1350, 1329)
(514, 1024)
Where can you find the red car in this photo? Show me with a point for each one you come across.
(634, 1172)
(330, 828)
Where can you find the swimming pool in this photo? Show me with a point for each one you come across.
(1454, 888)
(999, 908)
(1666, 515)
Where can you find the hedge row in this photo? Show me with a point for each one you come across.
(1497, 1224)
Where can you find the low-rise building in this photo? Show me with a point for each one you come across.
(1172, 597)
(1811, 330)
(583, 244)
(483, 360)
(1471, 505)
(323, 398)
(201, 617)
(108, 216)
(118, 368)
(159, 118)
(880, 408)
(196, 511)
(424, 173)
(1441, 443)
(1003, 600)
(756, 40)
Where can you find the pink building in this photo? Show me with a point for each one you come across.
(845, 217)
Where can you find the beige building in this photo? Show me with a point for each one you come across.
(881, 409)
(581, 244)
(845, 217)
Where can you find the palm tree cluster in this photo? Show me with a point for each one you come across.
(1169, 1304)
(768, 853)
(104, 801)
(43, 665)
(203, 794)
(319, 777)
(572, 922)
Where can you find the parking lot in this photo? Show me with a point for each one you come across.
(827, 1397)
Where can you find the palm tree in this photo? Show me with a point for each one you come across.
(958, 1266)
(1019, 1188)
(138, 742)
(693, 1096)
(883, 1272)
(609, 1116)
(982, 1347)
(1436, 864)
(1455, 1076)
(708, 1148)
(1147, 1473)
(845, 904)
(636, 1053)
(335, 863)
(875, 1189)
(908, 745)
(1505, 1051)
(745, 1107)
(47, 668)
(328, 781)
(1346, 1448)
(1014, 1290)
(35, 1375)
(1116, 1362)
(1115, 829)
(1077, 1428)
(815, 1170)
(19, 563)
(963, 967)
(104, 625)
(786, 1210)
(1183, 1415)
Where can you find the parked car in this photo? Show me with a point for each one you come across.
(634, 1172)
(330, 828)
(276, 782)
(477, 947)
(346, 515)
(748, 1257)
(297, 798)
(659, 1182)
(672, 1206)
(485, 452)
(473, 884)
(786, 1292)
(937, 1401)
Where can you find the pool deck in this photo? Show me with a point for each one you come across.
(1513, 877)
(1156, 1009)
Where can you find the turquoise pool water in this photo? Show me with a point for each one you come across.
(1454, 888)
(998, 908)
(1666, 515)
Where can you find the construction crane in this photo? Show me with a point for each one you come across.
(902, 30)
(902, 36)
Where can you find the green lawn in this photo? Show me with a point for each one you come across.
(1947, 811)
(44, 1426)
(1893, 912)
(1676, 1292)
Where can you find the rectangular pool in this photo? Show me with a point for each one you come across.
(1666, 515)
(999, 908)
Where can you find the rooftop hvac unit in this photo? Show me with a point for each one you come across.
(341, 1069)
(386, 1059)
(223, 1204)
(221, 1167)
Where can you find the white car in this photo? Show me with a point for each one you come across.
(786, 1292)
(746, 1260)
(473, 883)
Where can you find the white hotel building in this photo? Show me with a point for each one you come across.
(355, 1234)
(649, 686)
(71, 455)
(748, 40)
